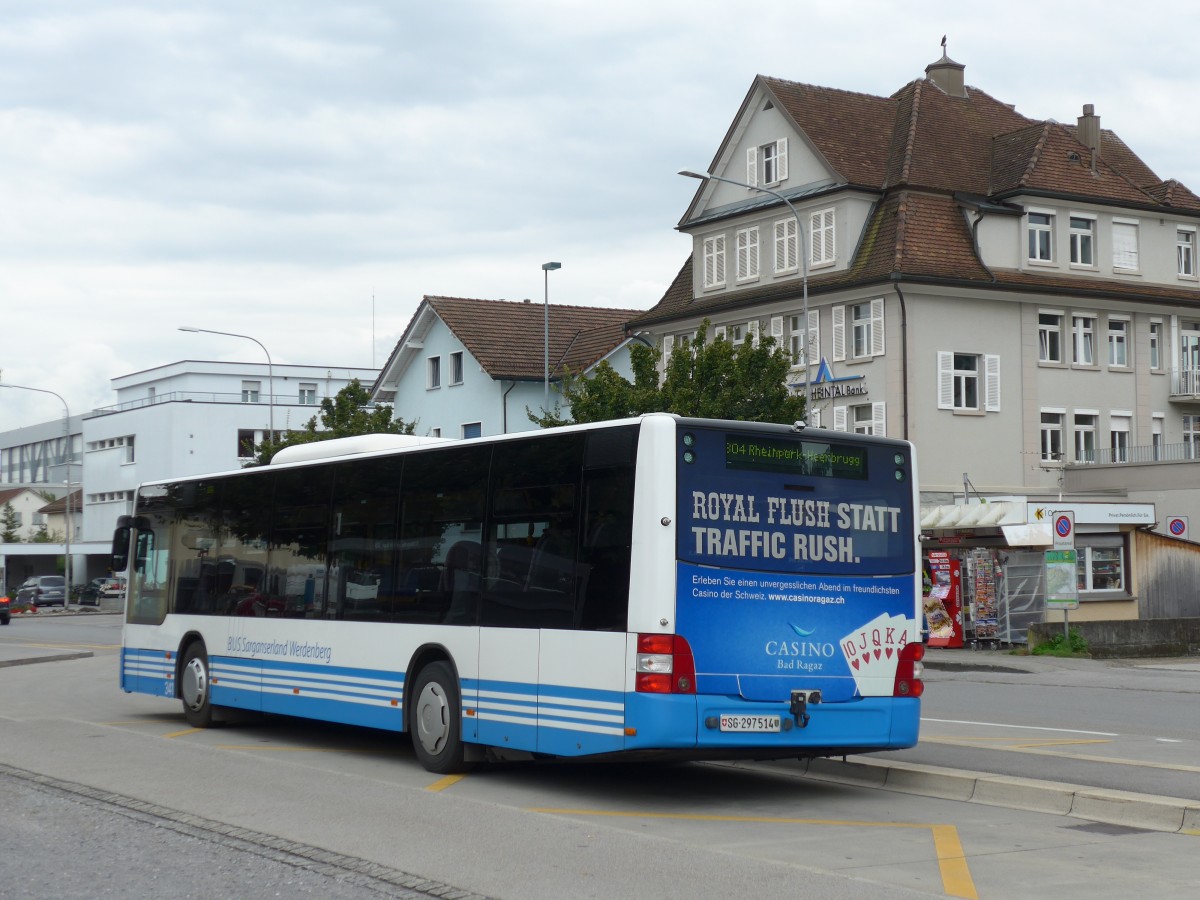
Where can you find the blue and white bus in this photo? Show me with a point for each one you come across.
(659, 586)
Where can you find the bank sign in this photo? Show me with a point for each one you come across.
(794, 568)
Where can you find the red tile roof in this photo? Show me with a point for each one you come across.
(508, 337)
(930, 155)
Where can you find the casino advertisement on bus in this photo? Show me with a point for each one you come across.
(796, 562)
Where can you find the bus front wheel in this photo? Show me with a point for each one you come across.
(194, 687)
(436, 720)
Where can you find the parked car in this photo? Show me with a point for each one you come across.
(113, 586)
(43, 590)
(5, 609)
(91, 591)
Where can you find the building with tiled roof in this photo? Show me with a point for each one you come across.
(1017, 297)
(468, 367)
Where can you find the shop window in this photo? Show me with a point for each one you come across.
(1101, 567)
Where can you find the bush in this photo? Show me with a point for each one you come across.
(1073, 644)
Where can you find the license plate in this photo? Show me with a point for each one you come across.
(750, 723)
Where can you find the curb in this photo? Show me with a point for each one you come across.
(1145, 811)
(55, 657)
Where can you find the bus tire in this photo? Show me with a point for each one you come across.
(436, 720)
(194, 686)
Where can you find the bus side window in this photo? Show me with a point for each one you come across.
(608, 531)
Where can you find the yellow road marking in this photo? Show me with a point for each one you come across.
(952, 863)
(442, 783)
(175, 734)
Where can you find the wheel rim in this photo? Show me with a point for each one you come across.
(433, 718)
(194, 684)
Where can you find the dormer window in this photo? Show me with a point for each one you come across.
(767, 163)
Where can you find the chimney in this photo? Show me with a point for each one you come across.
(947, 75)
(1089, 129)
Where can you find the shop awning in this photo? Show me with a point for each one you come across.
(973, 515)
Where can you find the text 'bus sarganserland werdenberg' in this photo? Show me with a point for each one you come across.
(657, 587)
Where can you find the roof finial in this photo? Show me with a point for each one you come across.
(943, 45)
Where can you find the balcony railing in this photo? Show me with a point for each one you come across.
(1185, 382)
(1106, 456)
(198, 397)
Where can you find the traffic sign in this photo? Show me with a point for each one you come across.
(1177, 526)
(1063, 527)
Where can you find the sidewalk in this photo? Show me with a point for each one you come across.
(21, 653)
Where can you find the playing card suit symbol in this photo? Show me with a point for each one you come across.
(854, 662)
(878, 653)
(888, 651)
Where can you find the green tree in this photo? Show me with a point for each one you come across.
(710, 379)
(9, 524)
(346, 414)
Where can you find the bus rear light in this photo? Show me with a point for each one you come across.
(664, 665)
(908, 672)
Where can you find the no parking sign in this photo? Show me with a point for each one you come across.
(1177, 526)
(1063, 525)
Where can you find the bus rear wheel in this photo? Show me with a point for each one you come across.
(194, 685)
(436, 720)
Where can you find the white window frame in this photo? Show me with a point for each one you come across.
(1052, 435)
(1185, 252)
(1156, 345)
(251, 391)
(307, 393)
(795, 343)
(433, 373)
(1050, 333)
(1039, 244)
(949, 378)
(1191, 436)
(1120, 431)
(714, 261)
(456, 367)
(1083, 240)
(746, 241)
(767, 163)
(1084, 434)
(1118, 342)
(1125, 244)
(735, 333)
(787, 246)
(822, 238)
(868, 329)
(1083, 340)
(1088, 556)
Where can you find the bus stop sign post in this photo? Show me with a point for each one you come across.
(1062, 579)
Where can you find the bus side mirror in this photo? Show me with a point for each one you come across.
(120, 547)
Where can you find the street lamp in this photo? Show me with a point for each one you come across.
(547, 268)
(67, 449)
(802, 232)
(270, 369)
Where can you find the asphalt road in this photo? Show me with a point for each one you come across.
(120, 792)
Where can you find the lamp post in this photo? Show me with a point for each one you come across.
(270, 369)
(802, 234)
(547, 268)
(67, 450)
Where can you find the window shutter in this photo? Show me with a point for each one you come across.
(879, 419)
(720, 260)
(1125, 246)
(781, 159)
(752, 165)
(785, 244)
(668, 345)
(839, 418)
(816, 239)
(814, 336)
(719, 332)
(752, 332)
(945, 379)
(991, 368)
(839, 333)
(777, 330)
(877, 327)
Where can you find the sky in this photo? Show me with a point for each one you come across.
(305, 172)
